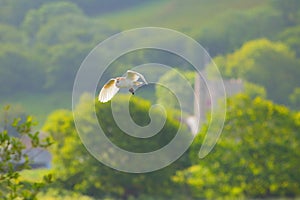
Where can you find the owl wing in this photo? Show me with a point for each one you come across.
(134, 76)
(108, 91)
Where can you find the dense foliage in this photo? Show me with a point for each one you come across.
(256, 157)
(271, 65)
(173, 84)
(72, 159)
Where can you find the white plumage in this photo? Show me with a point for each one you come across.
(111, 88)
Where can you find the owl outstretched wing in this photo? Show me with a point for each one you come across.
(134, 76)
(108, 91)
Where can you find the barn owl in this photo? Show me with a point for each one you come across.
(111, 88)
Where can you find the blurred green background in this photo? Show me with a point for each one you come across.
(43, 43)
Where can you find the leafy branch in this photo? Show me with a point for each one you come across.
(14, 158)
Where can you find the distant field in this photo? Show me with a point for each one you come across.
(35, 175)
(187, 16)
(39, 105)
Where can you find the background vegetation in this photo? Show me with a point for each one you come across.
(43, 43)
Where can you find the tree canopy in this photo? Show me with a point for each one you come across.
(173, 84)
(71, 159)
(256, 156)
(269, 64)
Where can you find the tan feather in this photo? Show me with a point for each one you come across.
(108, 91)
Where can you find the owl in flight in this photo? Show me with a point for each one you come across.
(111, 88)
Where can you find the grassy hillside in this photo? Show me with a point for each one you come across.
(39, 105)
(190, 17)
(186, 16)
